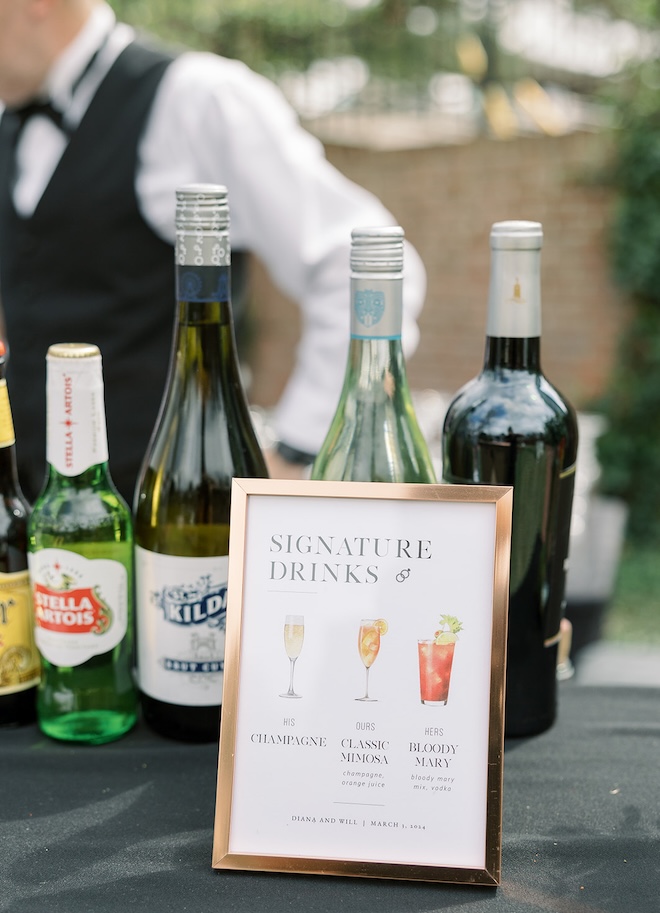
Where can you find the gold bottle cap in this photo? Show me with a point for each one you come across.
(73, 350)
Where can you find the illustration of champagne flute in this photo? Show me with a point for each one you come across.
(368, 647)
(294, 632)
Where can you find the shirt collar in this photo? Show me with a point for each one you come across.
(73, 61)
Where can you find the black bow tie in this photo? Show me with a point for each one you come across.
(20, 116)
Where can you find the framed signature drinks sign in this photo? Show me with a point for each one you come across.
(362, 723)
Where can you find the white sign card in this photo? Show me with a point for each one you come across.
(362, 723)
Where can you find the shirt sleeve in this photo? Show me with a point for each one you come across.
(214, 120)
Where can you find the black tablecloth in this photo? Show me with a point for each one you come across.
(128, 826)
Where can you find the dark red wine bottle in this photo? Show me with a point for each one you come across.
(510, 426)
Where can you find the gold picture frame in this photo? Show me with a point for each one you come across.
(402, 781)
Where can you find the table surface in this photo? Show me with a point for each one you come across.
(128, 826)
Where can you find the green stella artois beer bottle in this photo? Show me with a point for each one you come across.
(81, 563)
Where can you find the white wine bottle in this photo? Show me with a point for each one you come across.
(203, 437)
(374, 435)
(510, 426)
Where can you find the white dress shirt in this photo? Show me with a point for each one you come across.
(214, 120)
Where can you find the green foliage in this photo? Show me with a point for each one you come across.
(637, 223)
(641, 12)
(630, 449)
(633, 614)
(275, 35)
(272, 36)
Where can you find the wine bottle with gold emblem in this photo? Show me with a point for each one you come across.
(511, 426)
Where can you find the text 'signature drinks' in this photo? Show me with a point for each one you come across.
(510, 426)
(374, 435)
(19, 660)
(203, 437)
(81, 563)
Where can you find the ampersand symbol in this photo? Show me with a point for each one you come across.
(403, 575)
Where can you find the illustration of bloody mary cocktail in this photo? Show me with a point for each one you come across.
(435, 661)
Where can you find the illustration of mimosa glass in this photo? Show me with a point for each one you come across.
(294, 632)
(368, 647)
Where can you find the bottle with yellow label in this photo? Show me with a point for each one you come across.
(19, 660)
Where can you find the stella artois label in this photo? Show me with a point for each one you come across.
(80, 605)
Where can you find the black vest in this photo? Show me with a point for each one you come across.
(86, 268)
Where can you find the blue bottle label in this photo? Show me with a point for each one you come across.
(376, 309)
(202, 283)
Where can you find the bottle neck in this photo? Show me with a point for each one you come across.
(8, 472)
(513, 330)
(507, 352)
(514, 294)
(77, 440)
(375, 353)
(204, 335)
(203, 293)
(96, 478)
(376, 306)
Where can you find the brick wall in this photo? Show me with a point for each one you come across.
(446, 197)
